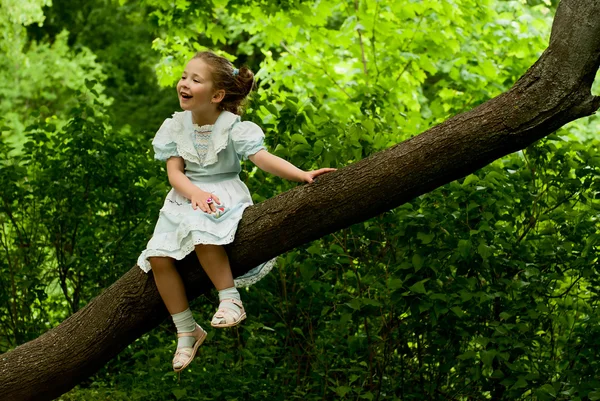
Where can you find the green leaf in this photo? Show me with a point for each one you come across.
(594, 395)
(342, 390)
(419, 287)
(417, 261)
(315, 249)
(549, 389)
(395, 283)
(355, 303)
(470, 179)
(308, 270)
(464, 247)
(487, 357)
(459, 312)
(520, 383)
(299, 139)
(484, 250)
(425, 238)
(467, 355)
(318, 148)
(497, 374)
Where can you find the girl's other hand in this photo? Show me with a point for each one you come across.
(311, 175)
(200, 199)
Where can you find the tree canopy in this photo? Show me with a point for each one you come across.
(484, 288)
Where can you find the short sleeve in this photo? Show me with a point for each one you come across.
(164, 144)
(248, 138)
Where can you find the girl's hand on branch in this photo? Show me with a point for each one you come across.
(205, 201)
(309, 176)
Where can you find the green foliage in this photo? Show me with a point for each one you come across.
(75, 207)
(119, 37)
(486, 288)
(483, 289)
(22, 12)
(38, 77)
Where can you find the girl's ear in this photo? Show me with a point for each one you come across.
(218, 96)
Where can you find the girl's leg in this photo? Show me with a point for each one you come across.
(171, 289)
(169, 284)
(215, 262)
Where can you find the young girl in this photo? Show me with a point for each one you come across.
(203, 146)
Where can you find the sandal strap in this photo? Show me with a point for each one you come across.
(184, 351)
(184, 355)
(225, 313)
(234, 301)
(191, 333)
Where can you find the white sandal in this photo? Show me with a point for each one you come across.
(231, 317)
(185, 355)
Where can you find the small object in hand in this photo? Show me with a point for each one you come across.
(220, 211)
(209, 201)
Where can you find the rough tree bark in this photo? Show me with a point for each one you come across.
(553, 92)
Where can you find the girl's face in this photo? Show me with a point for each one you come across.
(195, 88)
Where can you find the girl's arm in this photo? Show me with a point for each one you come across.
(183, 185)
(284, 169)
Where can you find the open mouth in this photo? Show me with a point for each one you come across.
(186, 96)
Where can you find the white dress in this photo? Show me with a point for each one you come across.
(212, 157)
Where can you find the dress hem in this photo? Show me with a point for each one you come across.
(251, 277)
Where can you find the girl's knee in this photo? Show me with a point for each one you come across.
(201, 248)
(208, 248)
(159, 262)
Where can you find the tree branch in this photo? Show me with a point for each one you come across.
(555, 91)
(360, 40)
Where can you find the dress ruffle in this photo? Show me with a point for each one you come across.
(174, 138)
(248, 138)
(178, 130)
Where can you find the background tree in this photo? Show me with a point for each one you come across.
(505, 257)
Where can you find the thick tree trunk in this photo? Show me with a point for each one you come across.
(555, 90)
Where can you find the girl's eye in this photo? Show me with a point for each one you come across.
(182, 78)
(195, 80)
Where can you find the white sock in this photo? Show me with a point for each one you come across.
(185, 323)
(229, 293)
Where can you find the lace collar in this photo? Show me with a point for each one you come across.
(182, 131)
(200, 129)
